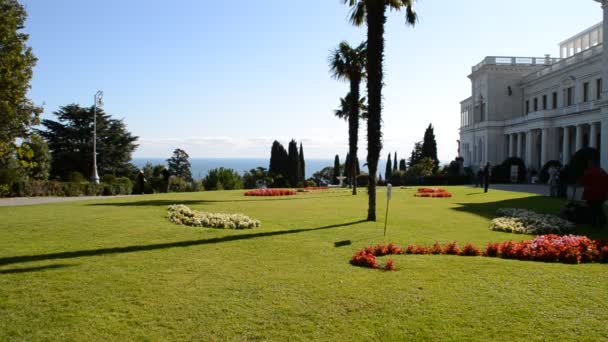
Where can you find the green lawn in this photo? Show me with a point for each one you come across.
(117, 269)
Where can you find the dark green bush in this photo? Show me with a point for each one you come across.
(223, 179)
(580, 162)
(362, 180)
(502, 173)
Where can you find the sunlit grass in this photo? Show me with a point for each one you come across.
(117, 269)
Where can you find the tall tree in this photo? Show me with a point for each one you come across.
(416, 155)
(336, 169)
(402, 165)
(388, 173)
(17, 112)
(179, 165)
(279, 165)
(395, 169)
(348, 64)
(35, 158)
(71, 142)
(429, 146)
(302, 164)
(373, 13)
(293, 172)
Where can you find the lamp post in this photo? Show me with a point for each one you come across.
(98, 102)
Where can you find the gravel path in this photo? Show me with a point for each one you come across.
(14, 201)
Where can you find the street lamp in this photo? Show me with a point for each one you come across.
(98, 102)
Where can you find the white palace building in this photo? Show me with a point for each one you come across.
(539, 108)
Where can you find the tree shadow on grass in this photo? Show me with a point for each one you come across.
(152, 247)
(539, 204)
(35, 269)
(164, 203)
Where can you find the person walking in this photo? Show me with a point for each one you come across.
(141, 179)
(595, 185)
(486, 177)
(552, 181)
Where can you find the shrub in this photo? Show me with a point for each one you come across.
(470, 250)
(270, 192)
(502, 173)
(390, 265)
(222, 179)
(363, 180)
(76, 177)
(451, 248)
(181, 214)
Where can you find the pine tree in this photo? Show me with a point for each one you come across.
(416, 155)
(389, 168)
(179, 165)
(293, 172)
(336, 169)
(302, 165)
(429, 146)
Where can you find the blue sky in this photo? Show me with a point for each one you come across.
(224, 78)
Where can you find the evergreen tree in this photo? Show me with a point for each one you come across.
(429, 146)
(302, 165)
(71, 143)
(388, 173)
(35, 158)
(179, 165)
(336, 169)
(293, 173)
(347, 171)
(395, 169)
(17, 61)
(402, 165)
(279, 165)
(416, 155)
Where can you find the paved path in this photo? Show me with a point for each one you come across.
(14, 201)
(539, 189)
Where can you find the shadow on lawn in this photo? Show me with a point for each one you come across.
(190, 243)
(160, 203)
(539, 204)
(35, 269)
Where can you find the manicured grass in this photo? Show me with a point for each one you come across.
(117, 269)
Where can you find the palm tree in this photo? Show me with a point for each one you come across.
(348, 64)
(373, 13)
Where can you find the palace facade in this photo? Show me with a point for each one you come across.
(539, 108)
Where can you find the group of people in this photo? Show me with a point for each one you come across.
(141, 180)
(558, 184)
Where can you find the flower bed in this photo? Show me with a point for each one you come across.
(181, 214)
(433, 193)
(569, 249)
(270, 192)
(522, 221)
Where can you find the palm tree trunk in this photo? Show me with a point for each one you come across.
(375, 55)
(353, 129)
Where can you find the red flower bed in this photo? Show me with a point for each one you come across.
(316, 188)
(433, 192)
(569, 249)
(367, 257)
(270, 192)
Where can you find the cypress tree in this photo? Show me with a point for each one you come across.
(279, 161)
(347, 169)
(293, 171)
(395, 163)
(402, 165)
(416, 155)
(336, 169)
(429, 146)
(302, 164)
(389, 168)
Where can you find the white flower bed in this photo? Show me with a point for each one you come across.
(522, 221)
(181, 214)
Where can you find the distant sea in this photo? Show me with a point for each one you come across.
(200, 166)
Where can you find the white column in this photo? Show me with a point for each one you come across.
(593, 135)
(544, 147)
(529, 146)
(579, 138)
(520, 147)
(566, 146)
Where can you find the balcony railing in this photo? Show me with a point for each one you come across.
(501, 60)
(566, 62)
